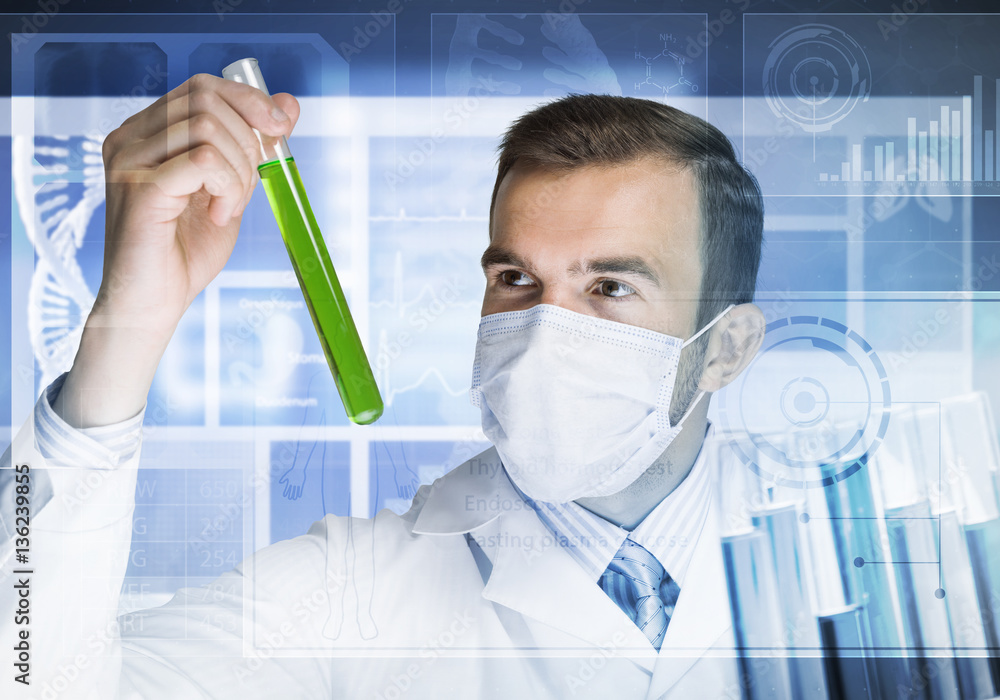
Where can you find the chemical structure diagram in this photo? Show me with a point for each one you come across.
(664, 81)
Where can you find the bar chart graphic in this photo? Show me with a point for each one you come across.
(837, 104)
(953, 148)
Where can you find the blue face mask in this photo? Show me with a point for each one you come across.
(576, 406)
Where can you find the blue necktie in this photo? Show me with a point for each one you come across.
(638, 584)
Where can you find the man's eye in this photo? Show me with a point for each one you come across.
(513, 278)
(611, 288)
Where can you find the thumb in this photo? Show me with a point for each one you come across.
(289, 105)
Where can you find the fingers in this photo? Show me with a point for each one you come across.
(220, 128)
(239, 108)
(203, 166)
(201, 130)
(202, 93)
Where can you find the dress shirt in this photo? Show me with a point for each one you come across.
(669, 532)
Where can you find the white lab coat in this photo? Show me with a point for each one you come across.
(391, 607)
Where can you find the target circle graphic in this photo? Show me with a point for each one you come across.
(815, 75)
(810, 371)
(805, 401)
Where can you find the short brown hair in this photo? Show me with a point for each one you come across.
(582, 130)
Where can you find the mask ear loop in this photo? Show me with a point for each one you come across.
(708, 325)
(701, 393)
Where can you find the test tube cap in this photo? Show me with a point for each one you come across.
(969, 446)
(246, 71)
(898, 464)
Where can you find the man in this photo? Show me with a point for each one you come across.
(575, 558)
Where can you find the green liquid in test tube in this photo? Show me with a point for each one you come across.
(313, 269)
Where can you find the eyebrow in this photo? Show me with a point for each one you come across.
(495, 256)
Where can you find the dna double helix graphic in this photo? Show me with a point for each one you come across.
(58, 184)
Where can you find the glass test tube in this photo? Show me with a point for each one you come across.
(971, 630)
(753, 592)
(780, 524)
(757, 619)
(900, 468)
(863, 550)
(311, 261)
(913, 545)
(850, 668)
(971, 458)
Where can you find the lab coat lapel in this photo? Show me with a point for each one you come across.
(530, 573)
(542, 581)
(469, 496)
(702, 613)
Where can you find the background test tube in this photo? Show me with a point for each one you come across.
(753, 594)
(844, 529)
(971, 459)
(964, 616)
(913, 541)
(922, 530)
(863, 551)
(780, 524)
(849, 675)
(321, 289)
(859, 620)
(757, 618)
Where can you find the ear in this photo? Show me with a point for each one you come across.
(732, 344)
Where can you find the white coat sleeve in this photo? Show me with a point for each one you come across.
(226, 640)
(66, 503)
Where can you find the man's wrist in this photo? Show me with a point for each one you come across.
(112, 372)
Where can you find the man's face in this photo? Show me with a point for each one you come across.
(616, 242)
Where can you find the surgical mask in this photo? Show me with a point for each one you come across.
(576, 406)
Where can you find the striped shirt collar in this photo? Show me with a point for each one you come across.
(670, 532)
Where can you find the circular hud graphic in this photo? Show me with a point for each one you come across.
(814, 75)
(811, 372)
